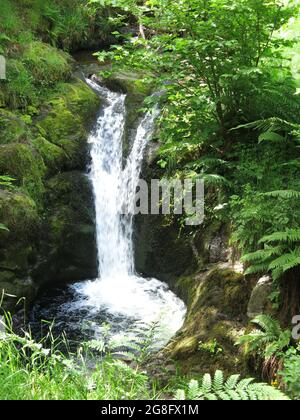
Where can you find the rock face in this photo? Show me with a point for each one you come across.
(68, 244)
(259, 299)
(48, 209)
(217, 304)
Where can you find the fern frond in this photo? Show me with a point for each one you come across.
(218, 381)
(234, 389)
(291, 235)
(268, 324)
(206, 384)
(287, 261)
(270, 124)
(232, 382)
(258, 268)
(194, 390)
(287, 194)
(180, 395)
(263, 254)
(271, 136)
(214, 179)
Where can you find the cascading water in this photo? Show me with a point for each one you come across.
(118, 296)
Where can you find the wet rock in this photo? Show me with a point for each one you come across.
(260, 297)
(69, 245)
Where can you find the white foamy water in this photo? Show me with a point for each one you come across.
(119, 291)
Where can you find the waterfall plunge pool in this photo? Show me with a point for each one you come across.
(119, 298)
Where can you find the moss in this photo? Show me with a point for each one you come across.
(13, 128)
(21, 162)
(221, 288)
(134, 84)
(19, 213)
(68, 212)
(70, 109)
(46, 64)
(18, 89)
(80, 99)
(53, 155)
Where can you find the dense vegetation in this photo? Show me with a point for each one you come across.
(229, 115)
(40, 371)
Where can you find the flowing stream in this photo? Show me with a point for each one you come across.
(118, 297)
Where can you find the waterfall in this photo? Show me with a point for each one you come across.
(118, 296)
(115, 186)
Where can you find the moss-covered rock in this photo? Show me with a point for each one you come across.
(13, 128)
(70, 112)
(53, 156)
(20, 214)
(19, 245)
(136, 85)
(25, 165)
(47, 65)
(217, 306)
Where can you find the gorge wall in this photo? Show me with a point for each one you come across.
(49, 213)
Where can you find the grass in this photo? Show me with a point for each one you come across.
(35, 371)
(47, 370)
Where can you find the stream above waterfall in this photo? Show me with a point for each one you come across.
(119, 297)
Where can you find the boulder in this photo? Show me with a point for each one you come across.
(259, 299)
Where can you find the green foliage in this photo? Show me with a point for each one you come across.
(281, 254)
(215, 78)
(233, 389)
(211, 347)
(23, 164)
(140, 342)
(18, 89)
(270, 340)
(291, 372)
(32, 370)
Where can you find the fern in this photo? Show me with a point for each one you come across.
(270, 125)
(277, 258)
(269, 340)
(290, 235)
(271, 136)
(285, 194)
(263, 254)
(233, 389)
